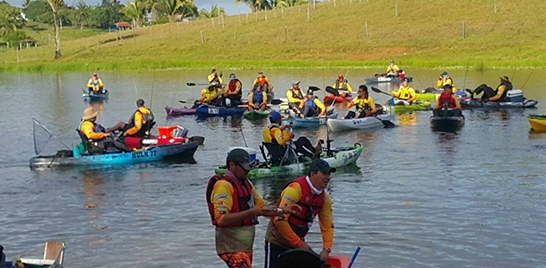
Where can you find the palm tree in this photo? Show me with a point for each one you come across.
(135, 11)
(54, 4)
(82, 13)
(178, 9)
(255, 5)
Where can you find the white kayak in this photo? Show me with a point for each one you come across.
(357, 123)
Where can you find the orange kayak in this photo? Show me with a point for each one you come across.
(337, 262)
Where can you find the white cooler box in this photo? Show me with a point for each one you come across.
(514, 95)
(250, 151)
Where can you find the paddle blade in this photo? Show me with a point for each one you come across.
(191, 84)
(332, 91)
(199, 139)
(276, 101)
(314, 88)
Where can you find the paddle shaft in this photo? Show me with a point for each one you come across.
(191, 84)
(354, 257)
(377, 90)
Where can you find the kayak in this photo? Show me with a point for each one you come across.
(338, 99)
(357, 123)
(417, 105)
(336, 261)
(148, 154)
(171, 111)
(96, 96)
(206, 110)
(256, 114)
(446, 120)
(473, 103)
(53, 257)
(340, 157)
(537, 122)
(385, 79)
(298, 122)
(427, 96)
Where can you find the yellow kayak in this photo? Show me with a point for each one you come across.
(537, 122)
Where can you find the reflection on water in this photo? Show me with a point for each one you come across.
(407, 118)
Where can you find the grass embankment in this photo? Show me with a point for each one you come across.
(425, 33)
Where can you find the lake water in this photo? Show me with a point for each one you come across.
(415, 198)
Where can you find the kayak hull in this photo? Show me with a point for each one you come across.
(171, 111)
(385, 79)
(219, 111)
(338, 99)
(446, 123)
(342, 157)
(95, 96)
(152, 153)
(427, 96)
(415, 106)
(308, 122)
(371, 122)
(256, 114)
(472, 104)
(537, 122)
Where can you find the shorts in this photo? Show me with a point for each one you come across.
(237, 259)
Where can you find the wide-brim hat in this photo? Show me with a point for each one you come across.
(504, 78)
(89, 113)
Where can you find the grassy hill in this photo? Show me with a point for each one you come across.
(418, 33)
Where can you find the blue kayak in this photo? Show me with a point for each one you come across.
(102, 95)
(152, 153)
(206, 110)
(306, 122)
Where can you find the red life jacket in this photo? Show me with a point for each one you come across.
(232, 86)
(311, 205)
(447, 97)
(241, 199)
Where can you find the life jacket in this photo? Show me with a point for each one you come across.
(405, 94)
(363, 105)
(508, 86)
(447, 97)
(343, 85)
(296, 95)
(310, 103)
(271, 131)
(96, 127)
(95, 82)
(261, 81)
(232, 86)
(310, 204)
(257, 97)
(147, 121)
(241, 200)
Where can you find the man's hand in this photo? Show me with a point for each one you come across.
(292, 209)
(324, 254)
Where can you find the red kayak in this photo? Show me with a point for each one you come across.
(337, 262)
(339, 99)
(134, 142)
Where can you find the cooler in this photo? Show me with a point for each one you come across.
(401, 74)
(250, 151)
(165, 132)
(515, 95)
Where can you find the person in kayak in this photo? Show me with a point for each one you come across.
(364, 104)
(233, 91)
(277, 141)
(295, 96)
(311, 106)
(234, 206)
(257, 99)
(287, 231)
(210, 95)
(405, 94)
(343, 86)
(392, 69)
(95, 84)
(213, 77)
(264, 84)
(446, 99)
(444, 80)
(497, 95)
(96, 138)
(139, 125)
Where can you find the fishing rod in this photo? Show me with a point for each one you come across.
(527, 79)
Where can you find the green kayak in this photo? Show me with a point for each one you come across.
(340, 157)
(417, 105)
(255, 114)
(427, 96)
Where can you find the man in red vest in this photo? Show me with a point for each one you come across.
(287, 231)
(234, 206)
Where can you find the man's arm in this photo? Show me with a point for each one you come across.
(326, 224)
(499, 93)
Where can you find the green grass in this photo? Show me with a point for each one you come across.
(426, 33)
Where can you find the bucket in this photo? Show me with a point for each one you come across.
(165, 132)
(391, 101)
(250, 151)
(76, 151)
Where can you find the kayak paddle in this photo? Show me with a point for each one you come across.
(354, 257)
(377, 90)
(196, 84)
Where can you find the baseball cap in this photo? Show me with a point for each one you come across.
(274, 116)
(260, 72)
(444, 73)
(322, 166)
(240, 157)
(94, 74)
(310, 92)
(232, 76)
(405, 80)
(140, 102)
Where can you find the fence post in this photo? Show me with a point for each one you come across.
(285, 33)
(202, 38)
(212, 20)
(314, 4)
(396, 9)
(239, 18)
(464, 30)
(265, 11)
(274, 13)
(495, 6)
(282, 12)
(246, 18)
(366, 25)
(257, 14)
(223, 22)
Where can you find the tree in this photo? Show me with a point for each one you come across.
(54, 4)
(215, 11)
(255, 5)
(10, 19)
(177, 10)
(135, 11)
(15, 36)
(287, 3)
(82, 13)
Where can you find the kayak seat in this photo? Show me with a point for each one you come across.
(88, 145)
(300, 258)
(275, 154)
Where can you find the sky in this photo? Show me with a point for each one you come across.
(228, 5)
